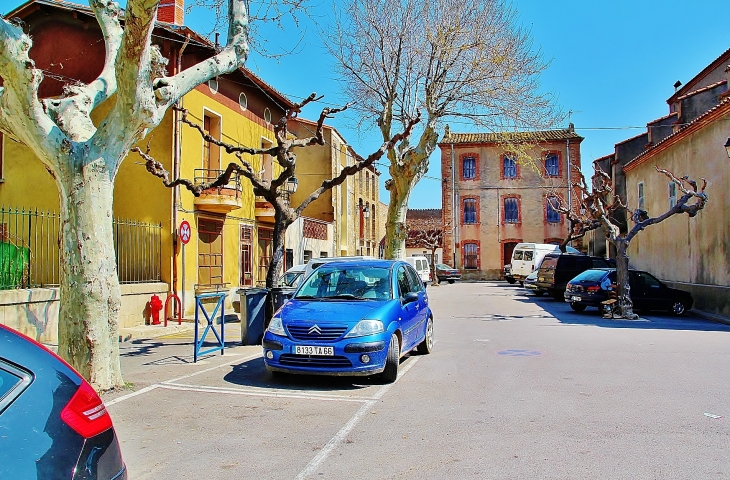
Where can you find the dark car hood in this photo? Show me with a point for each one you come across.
(331, 310)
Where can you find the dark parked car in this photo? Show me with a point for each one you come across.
(592, 287)
(446, 273)
(53, 425)
(557, 269)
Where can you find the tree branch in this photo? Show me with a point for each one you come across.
(352, 169)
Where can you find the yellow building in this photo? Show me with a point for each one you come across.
(352, 207)
(231, 231)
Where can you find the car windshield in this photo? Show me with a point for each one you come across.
(591, 276)
(347, 283)
(442, 266)
(288, 279)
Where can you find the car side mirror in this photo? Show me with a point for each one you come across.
(410, 297)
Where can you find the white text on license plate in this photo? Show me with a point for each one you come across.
(576, 299)
(313, 350)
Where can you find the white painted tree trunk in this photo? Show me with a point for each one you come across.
(90, 294)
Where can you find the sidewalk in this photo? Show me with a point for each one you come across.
(148, 360)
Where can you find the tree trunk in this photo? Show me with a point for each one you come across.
(626, 306)
(396, 230)
(281, 223)
(90, 295)
(434, 277)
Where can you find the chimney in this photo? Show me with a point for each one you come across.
(171, 11)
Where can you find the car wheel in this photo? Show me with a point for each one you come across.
(522, 284)
(426, 346)
(578, 307)
(678, 308)
(511, 281)
(392, 361)
(451, 281)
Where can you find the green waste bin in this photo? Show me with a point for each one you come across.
(253, 314)
(281, 295)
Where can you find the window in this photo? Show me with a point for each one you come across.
(213, 85)
(511, 210)
(509, 167)
(267, 115)
(471, 256)
(551, 214)
(322, 254)
(404, 282)
(640, 203)
(470, 210)
(246, 243)
(469, 168)
(211, 152)
(265, 251)
(307, 256)
(672, 194)
(416, 283)
(210, 252)
(552, 165)
(243, 101)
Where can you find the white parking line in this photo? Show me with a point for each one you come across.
(158, 385)
(263, 392)
(314, 464)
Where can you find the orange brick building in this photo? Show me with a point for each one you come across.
(496, 192)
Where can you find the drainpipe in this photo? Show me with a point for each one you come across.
(453, 207)
(176, 172)
(570, 188)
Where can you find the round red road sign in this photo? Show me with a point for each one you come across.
(184, 232)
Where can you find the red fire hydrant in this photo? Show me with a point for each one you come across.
(155, 307)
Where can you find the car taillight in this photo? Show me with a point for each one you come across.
(594, 288)
(86, 413)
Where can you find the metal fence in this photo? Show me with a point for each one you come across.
(30, 249)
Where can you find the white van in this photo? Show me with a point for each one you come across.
(315, 263)
(527, 257)
(420, 264)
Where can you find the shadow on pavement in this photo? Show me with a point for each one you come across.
(150, 347)
(253, 373)
(648, 320)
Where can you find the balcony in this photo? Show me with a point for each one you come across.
(221, 199)
(264, 209)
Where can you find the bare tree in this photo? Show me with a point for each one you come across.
(426, 233)
(272, 190)
(596, 206)
(84, 159)
(453, 58)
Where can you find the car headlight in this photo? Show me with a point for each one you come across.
(366, 327)
(276, 327)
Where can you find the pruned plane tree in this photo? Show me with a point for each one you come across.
(596, 207)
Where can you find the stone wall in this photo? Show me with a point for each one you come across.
(34, 311)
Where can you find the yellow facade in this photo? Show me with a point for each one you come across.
(141, 197)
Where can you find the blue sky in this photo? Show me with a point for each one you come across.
(613, 63)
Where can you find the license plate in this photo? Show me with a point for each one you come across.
(314, 350)
(575, 299)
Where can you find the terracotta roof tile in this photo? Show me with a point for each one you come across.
(514, 137)
(423, 214)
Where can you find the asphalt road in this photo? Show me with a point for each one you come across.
(517, 387)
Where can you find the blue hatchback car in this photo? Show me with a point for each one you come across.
(355, 317)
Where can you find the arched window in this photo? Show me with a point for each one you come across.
(511, 210)
(509, 167)
(551, 214)
(471, 256)
(552, 165)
